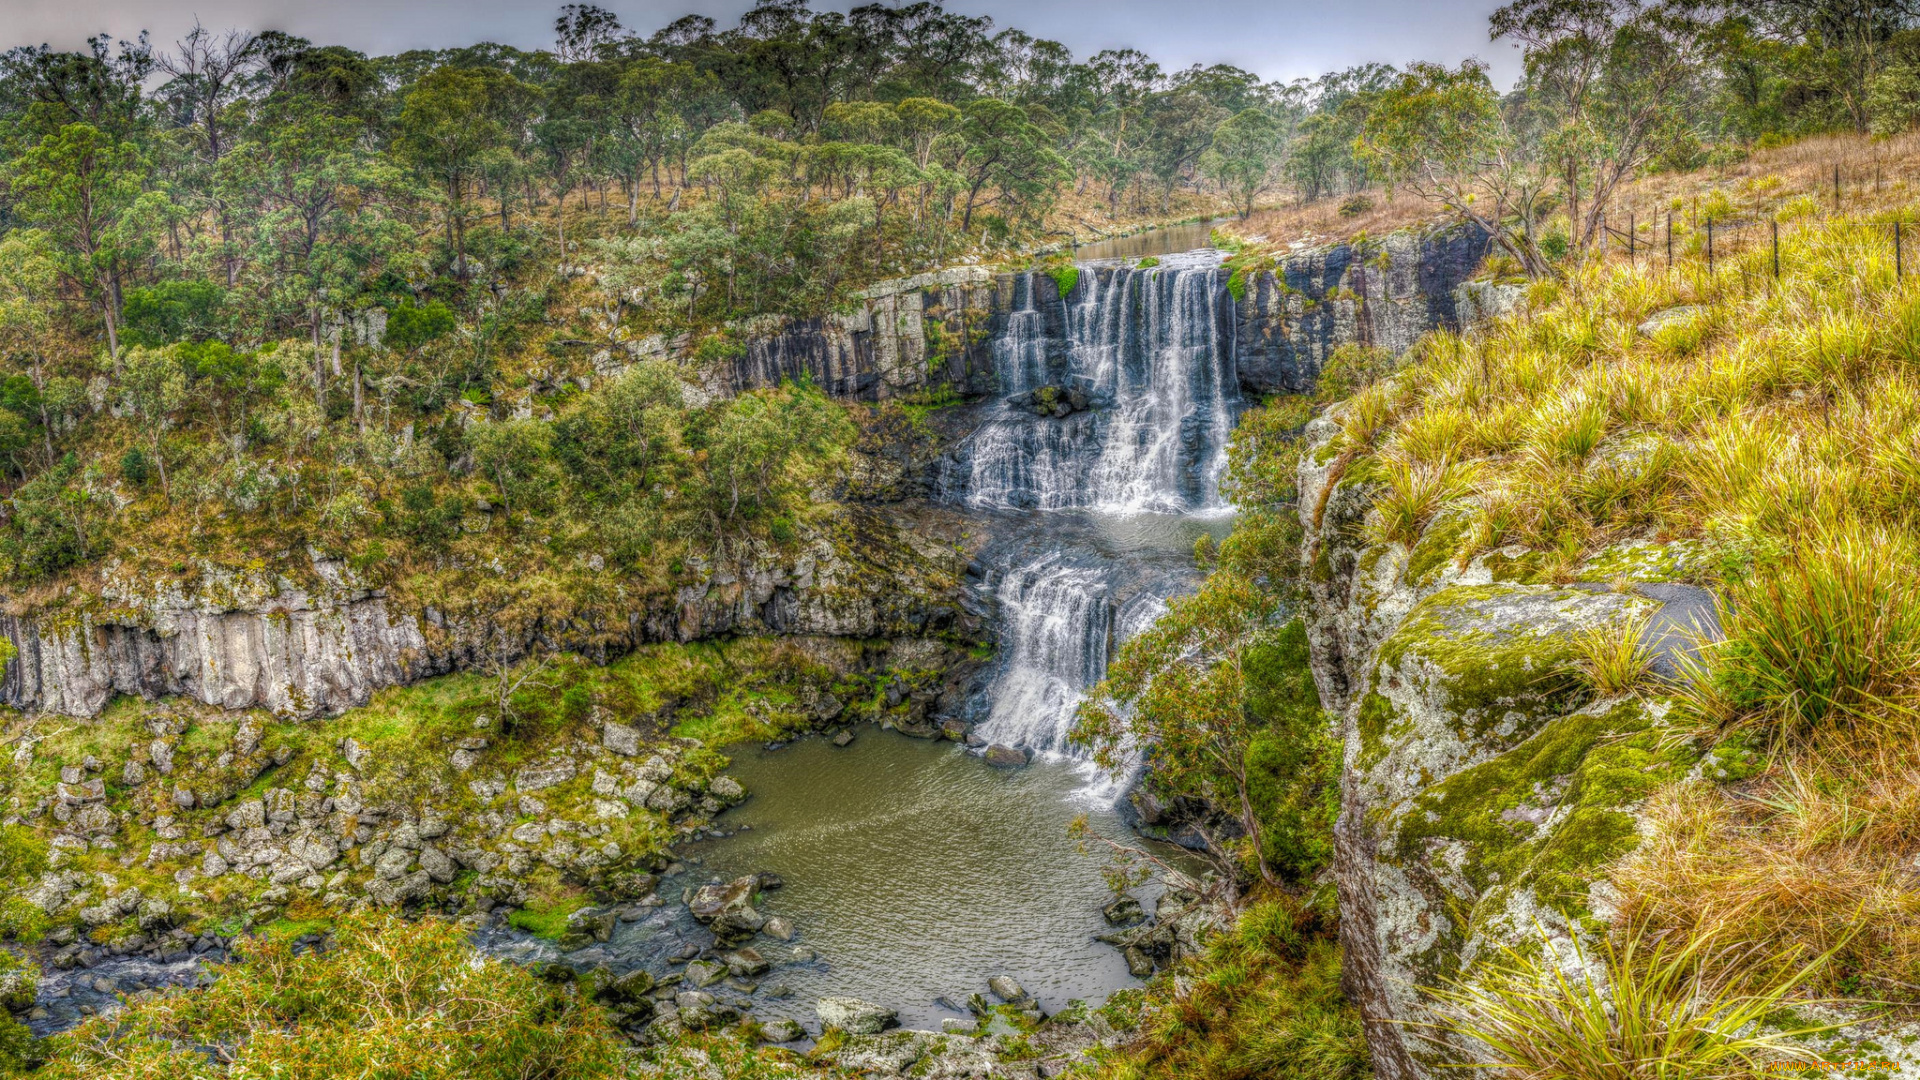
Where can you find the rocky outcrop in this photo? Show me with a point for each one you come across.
(238, 640)
(1484, 789)
(255, 639)
(1383, 293)
(903, 338)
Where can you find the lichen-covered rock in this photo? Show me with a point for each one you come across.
(853, 1016)
(1484, 790)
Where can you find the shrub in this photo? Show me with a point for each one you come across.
(1264, 1000)
(388, 998)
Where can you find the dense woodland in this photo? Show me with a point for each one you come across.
(193, 235)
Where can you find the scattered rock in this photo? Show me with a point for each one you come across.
(541, 777)
(620, 739)
(781, 1030)
(1124, 911)
(704, 973)
(778, 928)
(1007, 988)
(954, 730)
(1006, 757)
(726, 789)
(853, 1016)
(844, 738)
(745, 962)
(635, 985)
(710, 901)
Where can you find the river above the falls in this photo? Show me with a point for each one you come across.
(1167, 240)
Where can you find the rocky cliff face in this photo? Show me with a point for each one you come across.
(1383, 293)
(256, 639)
(1484, 789)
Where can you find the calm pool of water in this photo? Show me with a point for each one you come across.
(917, 871)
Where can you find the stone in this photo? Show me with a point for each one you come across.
(954, 730)
(251, 814)
(1124, 911)
(620, 739)
(726, 789)
(529, 832)
(845, 738)
(745, 962)
(704, 973)
(356, 753)
(1007, 988)
(439, 866)
(545, 775)
(635, 985)
(781, 1030)
(1673, 316)
(1139, 964)
(1006, 757)
(853, 1016)
(778, 928)
(710, 901)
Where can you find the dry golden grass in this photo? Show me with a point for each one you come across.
(1773, 423)
(1819, 853)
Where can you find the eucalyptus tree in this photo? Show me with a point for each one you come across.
(85, 189)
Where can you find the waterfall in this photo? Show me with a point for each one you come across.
(1056, 619)
(1152, 352)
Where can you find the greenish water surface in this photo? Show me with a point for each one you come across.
(917, 871)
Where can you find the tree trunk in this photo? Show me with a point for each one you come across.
(319, 366)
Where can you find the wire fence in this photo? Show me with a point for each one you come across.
(1714, 239)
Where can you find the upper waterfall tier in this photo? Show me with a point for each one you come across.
(1147, 393)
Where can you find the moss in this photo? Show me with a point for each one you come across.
(1375, 721)
(1437, 547)
(1550, 812)
(1494, 652)
(1066, 277)
(1237, 284)
(1643, 561)
(546, 919)
(19, 983)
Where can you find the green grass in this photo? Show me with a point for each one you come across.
(546, 919)
(1668, 1007)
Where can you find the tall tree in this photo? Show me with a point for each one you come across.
(83, 187)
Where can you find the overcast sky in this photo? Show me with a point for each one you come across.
(1278, 39)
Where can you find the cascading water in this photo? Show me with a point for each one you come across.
(1150, 352)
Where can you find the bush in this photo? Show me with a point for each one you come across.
(1264, 1000)
(388, 998)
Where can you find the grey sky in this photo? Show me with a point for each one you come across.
(1279, 39)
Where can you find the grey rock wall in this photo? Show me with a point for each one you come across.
(259, 641)
(1383, 293)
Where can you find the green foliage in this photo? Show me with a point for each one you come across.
(1293, 764)
(1264, 1000)
(411, 327)
(547, 920)
(1066, 277)
(388, 998)
(1830, 635)
(180, 310)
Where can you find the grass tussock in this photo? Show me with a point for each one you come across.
(1264, 1000)
(1664, 1007)
(1614, 658)
(387, 998)
(1818, 851)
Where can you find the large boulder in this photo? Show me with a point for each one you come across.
(1485, 789)
(853, 1016)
